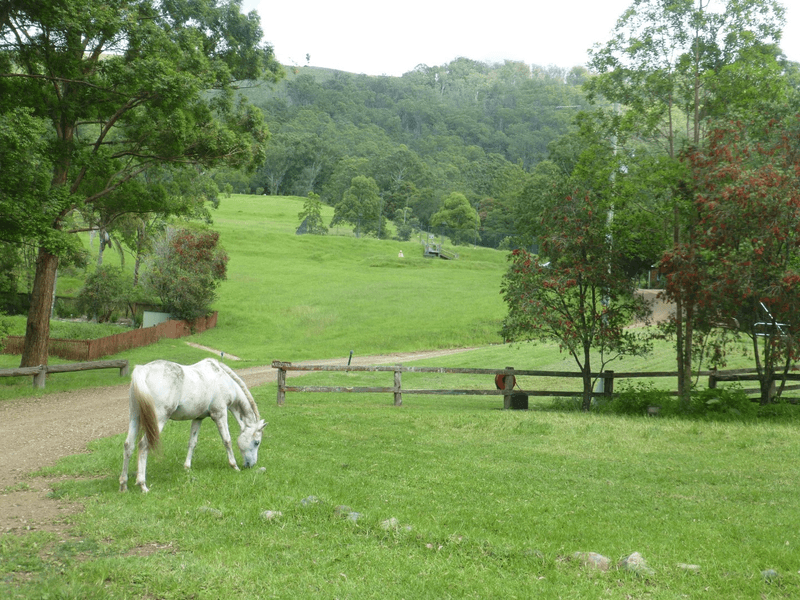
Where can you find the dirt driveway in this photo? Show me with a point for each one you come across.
(36, 432)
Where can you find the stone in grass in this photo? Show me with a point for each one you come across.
(391, 523)
(309, 500)
(271, 515)
(346, 512)
(636, 564)
(593, 560)
(769, 575)
(214, 512)
(688, 567)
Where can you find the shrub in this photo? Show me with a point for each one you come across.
(723, 402)
(105, 291)
(184, 271)
(635, 399)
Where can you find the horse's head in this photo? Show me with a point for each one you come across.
(249, 442)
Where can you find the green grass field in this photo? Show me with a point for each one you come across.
(444, 497)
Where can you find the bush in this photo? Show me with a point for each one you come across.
(105, 292)
(184, 271)
(782, 410)
(723, 402)
(636, 399)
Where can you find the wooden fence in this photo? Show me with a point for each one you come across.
(509, 375)
(86, 350)
(40, 373)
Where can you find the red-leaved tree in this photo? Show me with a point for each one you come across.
(185, 270)
(746, 259)
(579, 296)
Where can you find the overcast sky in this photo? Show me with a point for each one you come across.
(392, 38)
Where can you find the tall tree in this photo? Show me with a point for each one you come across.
(458, 218)
(361, 207)
(577, 294)
(670, 68)
(129, 87)
(748, 202)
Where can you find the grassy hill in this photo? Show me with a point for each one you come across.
(293, 297)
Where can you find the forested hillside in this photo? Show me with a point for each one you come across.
(465, 127)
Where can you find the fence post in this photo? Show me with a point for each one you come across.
(508, 387)
(608, 383)
(398, 389)
(281, 385)
(40, 377)
(712, 380)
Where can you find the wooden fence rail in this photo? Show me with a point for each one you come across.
(40, 373)
(509, 377)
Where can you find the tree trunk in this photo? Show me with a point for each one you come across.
(586, 405)
(768, 388)
(37, 332)
(586, 370)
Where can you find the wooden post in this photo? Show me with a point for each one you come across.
(712, 380)
(398, 389)
(124, 370)
(40, 377)
(281, 386)
(508, 387)
(608, 383)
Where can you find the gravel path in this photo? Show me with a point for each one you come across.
(37, 432)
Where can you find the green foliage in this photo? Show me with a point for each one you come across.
(10, 266)
(139, 103)
(718, 404)
(106, 290)
(405, 223)
(361, 207)
(464, 126)
(636, 399)
(730, 403)
(312, 215)
(670, 73)
(458, 218)
(185, 271)
(579, 294)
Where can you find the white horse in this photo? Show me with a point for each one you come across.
(163, 390)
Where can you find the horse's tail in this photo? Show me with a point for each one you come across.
(148, 422)
(242, 385)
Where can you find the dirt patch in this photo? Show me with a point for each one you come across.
(37, 432)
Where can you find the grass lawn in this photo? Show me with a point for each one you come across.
(455, 498)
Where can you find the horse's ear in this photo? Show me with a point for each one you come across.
(261, 425)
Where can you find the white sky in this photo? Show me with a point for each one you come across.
(377, 38)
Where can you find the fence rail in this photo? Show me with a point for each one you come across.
(40, 373)
(509, 378)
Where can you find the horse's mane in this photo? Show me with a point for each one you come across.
(242, 385)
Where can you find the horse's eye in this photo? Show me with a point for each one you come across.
(257, 443)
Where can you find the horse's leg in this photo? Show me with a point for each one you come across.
(224, 433)
(127, 450)
(192, 442)
(144, 446)
(141, 470)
